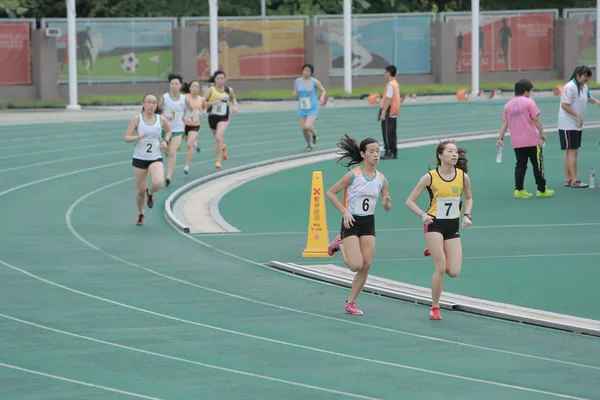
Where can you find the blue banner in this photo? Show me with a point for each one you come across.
(404, 41)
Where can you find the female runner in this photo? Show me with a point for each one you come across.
(361, 186)
(218, 98)
(147, 156)
(305, 88)
(445, 185)
(173, 106)
(191, 118)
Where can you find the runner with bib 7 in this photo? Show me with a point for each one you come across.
(145, 130)
(362, 186)
(446, 184)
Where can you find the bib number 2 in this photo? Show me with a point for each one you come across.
(364, 205)
(447, 208)
(150, 147)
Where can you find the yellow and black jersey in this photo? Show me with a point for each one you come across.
(445, 196)
(220, 109)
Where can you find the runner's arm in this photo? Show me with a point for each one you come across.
(338, 187)
(414, 195)
(133, 124)
(167, 128)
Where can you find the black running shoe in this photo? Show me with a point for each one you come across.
(149, 199)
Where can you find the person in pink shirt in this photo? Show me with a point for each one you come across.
(522, 117)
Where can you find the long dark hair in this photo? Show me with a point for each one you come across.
(215, 74)
(351, 150)
(185, 87)
(462, 162)
(581, 70)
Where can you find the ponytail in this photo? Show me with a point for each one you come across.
(462, 162)
(352, 151)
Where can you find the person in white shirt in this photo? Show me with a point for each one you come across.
(571, 115)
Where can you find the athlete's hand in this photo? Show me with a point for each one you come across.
(387, 201)
(163, 144)
(580, 120)
(499, 143)
(466, 221)
(141, 135)
(348, 219)
(427, 219)
(234, 109)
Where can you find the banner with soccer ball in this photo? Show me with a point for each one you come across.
(117, 49)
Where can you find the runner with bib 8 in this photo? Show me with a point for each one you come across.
(362, 186)
(446, 185)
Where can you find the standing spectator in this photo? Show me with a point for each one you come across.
(389, 113)
(571, 115)
(522, 117)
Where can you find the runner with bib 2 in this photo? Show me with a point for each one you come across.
(145, 131)
(219, 98)
(306, 89)
(446, 185)
(362, 186)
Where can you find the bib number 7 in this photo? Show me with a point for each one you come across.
(447, 208)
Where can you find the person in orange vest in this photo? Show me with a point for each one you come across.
(389, 113)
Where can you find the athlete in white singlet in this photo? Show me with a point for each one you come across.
(362, 187)
(145, 130)
(173, 105)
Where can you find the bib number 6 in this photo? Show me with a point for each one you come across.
(365, 205)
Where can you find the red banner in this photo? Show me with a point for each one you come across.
(507, 42)
(15, 54)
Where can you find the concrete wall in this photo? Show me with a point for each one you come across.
(45, 74)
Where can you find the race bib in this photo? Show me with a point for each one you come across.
(150, 147)
(447, 208)
(365, 205)
(305, 103)
(193, 116)
(219, 109)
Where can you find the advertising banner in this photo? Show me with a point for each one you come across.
(587, 34)
(15, 54)
(404, 41)
(117, 50)
(252, 49)
(507, 41)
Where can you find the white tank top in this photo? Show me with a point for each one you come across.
(360, 197)
(148, 148)
(175, 109)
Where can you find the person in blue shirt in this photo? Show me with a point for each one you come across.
(306, 89)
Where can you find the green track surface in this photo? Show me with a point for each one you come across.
(190, 319)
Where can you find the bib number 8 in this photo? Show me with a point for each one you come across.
(219, 109)
(447, 208)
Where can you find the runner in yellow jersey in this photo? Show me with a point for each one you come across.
(219, 98)
(446, 185)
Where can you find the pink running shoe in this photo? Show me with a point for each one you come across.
(334, 246)
(351, 309)
(435, 313)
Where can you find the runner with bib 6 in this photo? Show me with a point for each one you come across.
(145, 130)
(362, 186)
(446, 184)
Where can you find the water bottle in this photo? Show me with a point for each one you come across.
(499, 155)
(592, 178)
